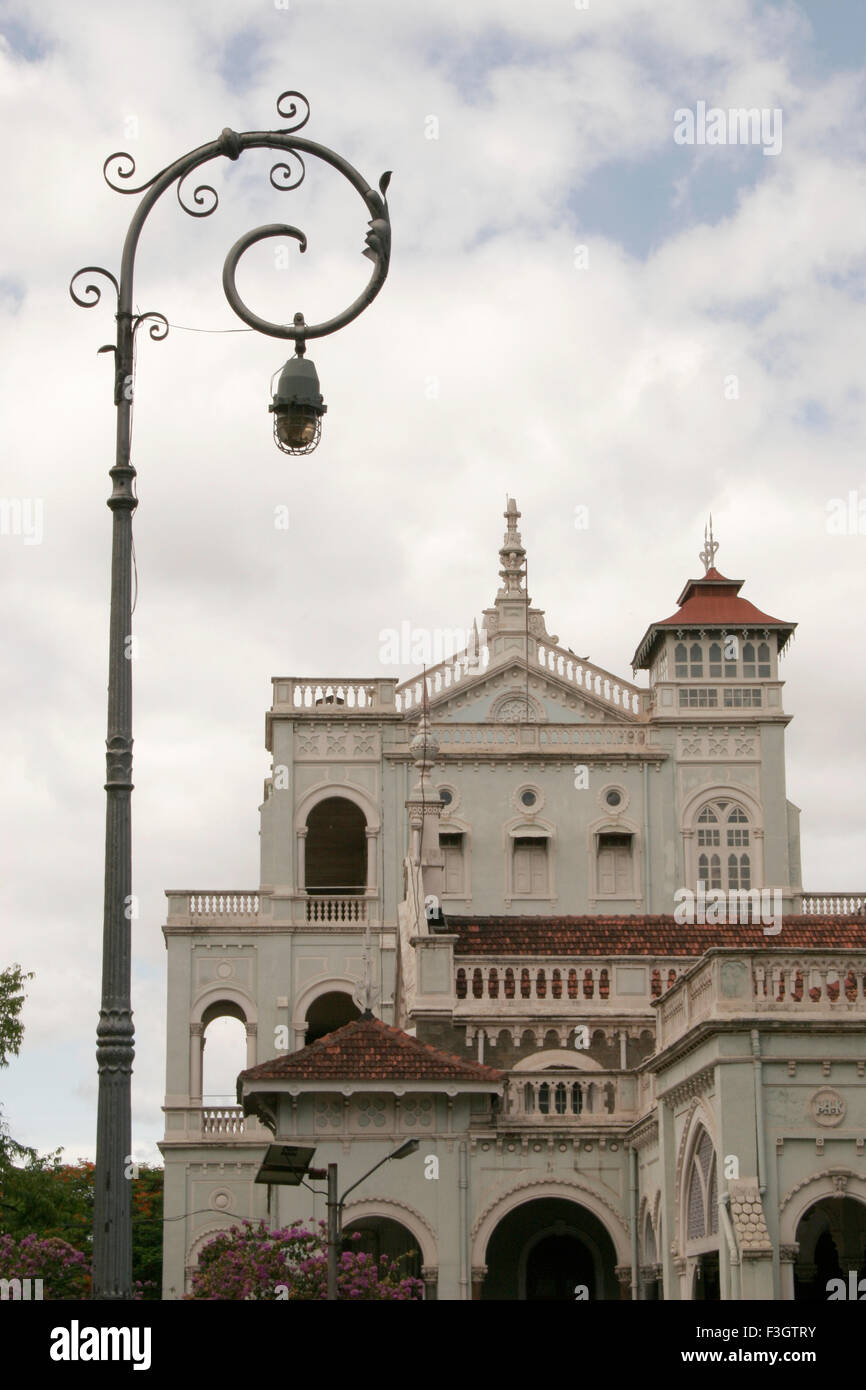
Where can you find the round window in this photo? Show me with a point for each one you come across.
(528, 798)
(613, 797)
(445, 796)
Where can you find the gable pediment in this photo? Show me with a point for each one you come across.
(499, 695)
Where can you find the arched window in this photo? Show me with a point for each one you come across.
(680, 663)
(696, 660)
(715, 659)
(702, 1204)
(764, 660)
(749, 660)
(724, 825)
(336, 852)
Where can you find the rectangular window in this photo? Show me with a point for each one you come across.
(699, 697)
(615, 865)
(736, 697)
(530, 867)
(708, 838)
(453, 878)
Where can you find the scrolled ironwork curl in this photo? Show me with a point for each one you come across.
(201, 195)
(93, 292)
(282, 177)
(125, 173)
(293, 98)
(157, 330)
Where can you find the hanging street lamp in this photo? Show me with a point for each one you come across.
(298, 408)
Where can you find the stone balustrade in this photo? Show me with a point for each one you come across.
(559, 1098)
(833, 904)
(213, 1123)
(333, 696)
(246, 908)
(230, 905)
(550, 987)
(344, 907)
(622, 695)
(815, 984)
(604, 686)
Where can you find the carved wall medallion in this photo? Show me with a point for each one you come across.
(827, 1107)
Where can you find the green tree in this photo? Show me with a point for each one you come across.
(12, 996)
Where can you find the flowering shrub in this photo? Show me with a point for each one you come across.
(253, 1262)
(64, 1271)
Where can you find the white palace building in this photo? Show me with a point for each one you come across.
(512, 907)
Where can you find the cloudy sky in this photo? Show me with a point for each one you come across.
(581, 311)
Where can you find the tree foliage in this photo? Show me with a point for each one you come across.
(12, 996)
(251, 1262)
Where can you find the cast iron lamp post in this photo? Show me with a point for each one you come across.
(336, 1204)
(298, 408)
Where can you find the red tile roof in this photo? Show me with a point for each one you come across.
(713, 601)
(644, 936)
(370, 1050)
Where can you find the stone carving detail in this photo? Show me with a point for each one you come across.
(747, 1218)
(308, 743)
(734, 979)
(826, 1107)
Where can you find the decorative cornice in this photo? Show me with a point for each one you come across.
(696, 1085)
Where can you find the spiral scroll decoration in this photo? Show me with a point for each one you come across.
(203, 195)
(293, 98)
(93, 292)
(126, 171)
(157, 330)
(282, 176)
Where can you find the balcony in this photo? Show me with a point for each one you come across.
(833, 904)
(550, 988)
(804, 986)
(221, 1124)
(333, 697)
(238, 908)
(556, 1099)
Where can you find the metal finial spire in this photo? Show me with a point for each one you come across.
(708, 554)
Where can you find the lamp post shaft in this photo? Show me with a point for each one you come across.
(333, 1230)
(112, 1228)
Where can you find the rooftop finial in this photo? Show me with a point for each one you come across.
(512, 554)
(708, 554)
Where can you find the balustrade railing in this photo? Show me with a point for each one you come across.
(222, 1120)
(834, 904)
(339, 908)
(568, 1098)
(815, 984)
(223, 904)
(588, 982)
(598, 682)
(450, 673)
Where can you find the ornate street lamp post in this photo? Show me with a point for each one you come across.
(297, 407)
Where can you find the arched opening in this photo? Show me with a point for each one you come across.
(549, 1250)
(336, 847)
(831, 1241)
(329, 1012)
(224, 1055)
(382, 1237)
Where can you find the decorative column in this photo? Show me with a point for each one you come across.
(478, 1275)
(623, 1276)
(196, 1048)
(301, 871)
(372, 846)
(252, 1032)
(430, 1276)
(788, 1258)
